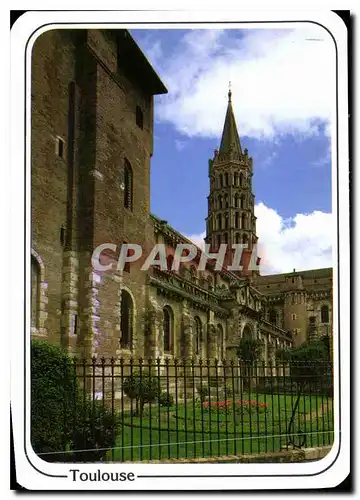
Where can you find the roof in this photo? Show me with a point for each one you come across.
(325, 272)
(230, 140)
(135, 63)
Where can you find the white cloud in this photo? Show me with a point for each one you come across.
(269, 159)
(323, 160)
(179, 145)
(282, 81)
(198, 239)
(301, 242)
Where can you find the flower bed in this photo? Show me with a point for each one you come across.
(240, 406)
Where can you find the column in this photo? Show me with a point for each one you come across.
(154, 330)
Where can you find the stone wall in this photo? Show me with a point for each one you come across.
(283, 456)
(52, 69)
(83, 100)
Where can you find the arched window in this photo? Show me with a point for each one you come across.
(237, 238)
(245, 239)
(236, 200)
(242, 201)
(226, 201)
(241, 179)
(243, 223)
(325, 314)
(198, 334)
(311, 326)
(221, 180)
(35, 292)
(218, 240)
(273, 316)
(247, 333)
(236, 215)
(219, 201)
(168, 325)
(226, 179)
(127, 316)
(226, 220)
(226, 238)
(218, 219)
(128, 185)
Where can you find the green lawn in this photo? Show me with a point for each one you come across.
(192, 431)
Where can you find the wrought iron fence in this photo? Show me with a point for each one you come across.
(164, 409)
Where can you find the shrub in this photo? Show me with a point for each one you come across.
(94, 432)
(309, 370)
(310, 365)
(61, 418)
(203, 392)
(53, 391)
(166, 399)
(144, 388)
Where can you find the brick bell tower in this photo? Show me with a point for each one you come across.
(231, 216)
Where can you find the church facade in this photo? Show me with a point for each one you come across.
(91, 145)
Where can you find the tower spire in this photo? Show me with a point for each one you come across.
(230, 141)
(231, 217)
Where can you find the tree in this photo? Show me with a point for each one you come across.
(310, 369)
(310, 362)
(143, 388)
(282, 355)
(249, 351)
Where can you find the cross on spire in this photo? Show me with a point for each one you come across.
(229, 93)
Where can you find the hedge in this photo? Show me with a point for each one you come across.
(62, 420)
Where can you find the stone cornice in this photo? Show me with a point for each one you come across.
(274, 330)
(174, 285)
(177, 238)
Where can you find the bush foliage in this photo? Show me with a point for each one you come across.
(61, 418)
(309, 363)
(96, 430)
(166, 399)
(53, 390)
(249, 350)
(143, 388)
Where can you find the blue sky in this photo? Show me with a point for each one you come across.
(283, 94)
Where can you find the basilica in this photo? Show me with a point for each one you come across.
(92, 108)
